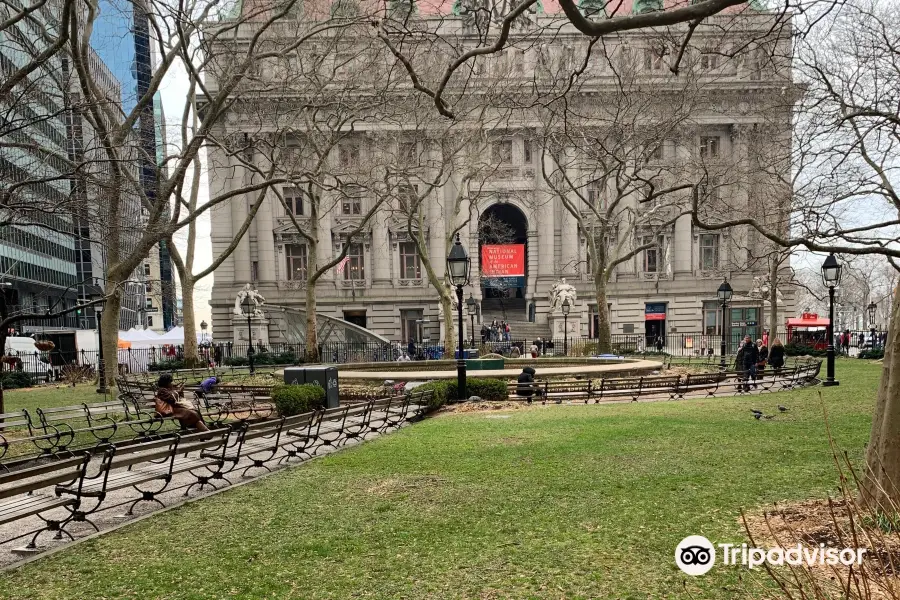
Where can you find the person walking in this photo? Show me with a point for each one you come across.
(763, 357)
(846, 342)
(484, 333)
(862, 341)
(659, 344)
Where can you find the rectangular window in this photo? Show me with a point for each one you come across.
(595, 196)
(406, 196)
(709, 61)
(408, 153)
(254, 270)
(710, 189)
(148, 303)
(709, 252)
(410, 267)
(148, 287)
(146, 269)
(653, 58)
(526, 152)
(352, 202)
(149, 321)
(294, 201)
(348, 155)
(709, 146)
(296, 257)
(656, 152)
(502, 152)
(711, 321)
(653, 255)
(355, 268)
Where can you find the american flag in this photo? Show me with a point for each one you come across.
(342, 265)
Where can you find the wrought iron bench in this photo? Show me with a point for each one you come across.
(703, 382)
(18, 497)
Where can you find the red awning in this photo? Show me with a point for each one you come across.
(655, 317)
(807, 322)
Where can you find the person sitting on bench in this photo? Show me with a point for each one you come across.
(170, 403)
(208, 385)
(525, 381)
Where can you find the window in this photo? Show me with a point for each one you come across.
(709, 189)
(653, 58)
(149, 321)
(709, 147)
(296, 257)
(595, 196)
(254, 270)
(408, 153)
(709, 61)
(354, 268)
(526, 152)
(502, 152)
(293, 199)
(352, 203)
(712, 324)
(146, 269)
(656, 152)
(410, 267)
(410, 325)
(709, 252)
(407, 195)
(348, 154)
(148, 287)
(653, 257)
(148, 303)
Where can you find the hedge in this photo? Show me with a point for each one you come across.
(264, 358)
(169, 364)
(875, 354)
(485, 388)
(798, 350)
(293, 400)
(11, 380)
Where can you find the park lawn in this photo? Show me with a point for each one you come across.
(54, 394)
(543, 502)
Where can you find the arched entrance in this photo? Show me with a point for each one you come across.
(505, 227)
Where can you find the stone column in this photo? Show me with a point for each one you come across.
(437, 235)
(265, 238)
(546, 225)
(569, 226)
(682, 246)
(381, 251)
(238, 215)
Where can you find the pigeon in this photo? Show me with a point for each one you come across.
(757, 416)
(782, 408)
(768, 416)
(755, 412)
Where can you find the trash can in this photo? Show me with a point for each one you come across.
(327, 377)
(294, 375)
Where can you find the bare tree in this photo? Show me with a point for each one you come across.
(844, 175)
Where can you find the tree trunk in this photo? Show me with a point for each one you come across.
(881, 482)
(312, 335)
(110, 326)
(191, 353)
(449, 326)
(604, 330)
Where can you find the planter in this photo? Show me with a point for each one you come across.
(44, 345)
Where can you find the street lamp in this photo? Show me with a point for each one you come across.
(247, 305)
(724, 293)
(831, 277)
(458, 268)
(566, 307)
(872, 309)
(470, 304)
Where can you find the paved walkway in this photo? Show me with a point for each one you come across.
(450, 373)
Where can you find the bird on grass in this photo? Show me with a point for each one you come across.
(756, 411)
(756, 414)
(768, 416)
(782, 408)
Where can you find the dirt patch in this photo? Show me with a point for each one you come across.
(836, 524)
(394, 486)
(473, 407)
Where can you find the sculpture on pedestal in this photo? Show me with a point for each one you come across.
(255, 297)
(560, 292)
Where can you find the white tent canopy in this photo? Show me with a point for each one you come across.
(173, 337)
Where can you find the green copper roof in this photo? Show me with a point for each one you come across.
(644, 6)
(591, 8)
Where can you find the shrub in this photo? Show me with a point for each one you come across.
(264, 358)
(11, 380)
(298, 399)
(170, 364)
(875, 354)
(445, 391)
(799, 350)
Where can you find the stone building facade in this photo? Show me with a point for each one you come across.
(669, 288)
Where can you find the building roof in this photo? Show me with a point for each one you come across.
(817, 322)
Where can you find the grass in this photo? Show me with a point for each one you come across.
(51, 395)
(547, 502)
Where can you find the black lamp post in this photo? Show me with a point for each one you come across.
(872, 309)
(470, 304)
(566, 307)
(458, 268)
(831, 277)
(724, 293)
(248, 310)
(101, 367)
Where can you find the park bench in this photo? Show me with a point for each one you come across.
(708, 382)
(260, 441)
(414, 403)
(558, 390)
(17, 428)
(19, 497)
(69, 421)
(635, 386)
(155, 462)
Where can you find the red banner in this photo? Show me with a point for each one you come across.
(503, 260)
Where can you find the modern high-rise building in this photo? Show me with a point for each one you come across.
(121, 36)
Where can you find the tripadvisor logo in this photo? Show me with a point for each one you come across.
(695, 555)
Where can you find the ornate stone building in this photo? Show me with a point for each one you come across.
(729, 140)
